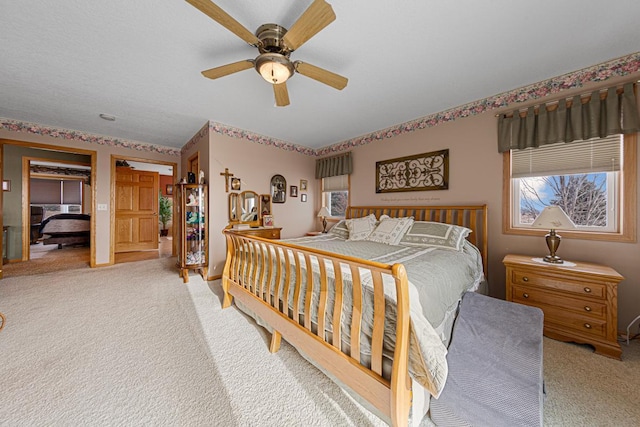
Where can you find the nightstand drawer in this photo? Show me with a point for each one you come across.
(539, 298)
(594, 290)
(272, 234)
(557, 318)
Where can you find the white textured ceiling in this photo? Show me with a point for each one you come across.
(63, 62)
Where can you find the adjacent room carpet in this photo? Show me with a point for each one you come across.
(131, 344)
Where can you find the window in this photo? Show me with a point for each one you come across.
(335, 194)
(591, 180)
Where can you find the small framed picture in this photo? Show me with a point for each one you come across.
(169, 189)
(303, 185)
(293, 191)
(6, 185)
(267, 220)
(235, 184)
(303, 197)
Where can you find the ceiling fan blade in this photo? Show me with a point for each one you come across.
(282, 94)
(223, 18)
(225, 70)
(320, 74)
(317, 16)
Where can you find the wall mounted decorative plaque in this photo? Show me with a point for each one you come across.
(421, 172)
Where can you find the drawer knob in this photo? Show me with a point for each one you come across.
(587, 308)
(587, 289)
(526, 295)
(525, 279)
(587, 325)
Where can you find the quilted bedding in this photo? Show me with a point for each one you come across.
(437, 280)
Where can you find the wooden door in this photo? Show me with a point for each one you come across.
(136, 210)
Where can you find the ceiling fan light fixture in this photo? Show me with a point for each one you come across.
(274, 67)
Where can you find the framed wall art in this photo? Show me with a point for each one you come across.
(293, 191)
(303, 185)
(278, 189)
(303, 197)
(420, 172)
(235, 184)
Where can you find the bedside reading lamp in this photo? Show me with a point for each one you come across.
(553, 217)
(324, 213)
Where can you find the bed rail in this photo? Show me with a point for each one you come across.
(275, 280)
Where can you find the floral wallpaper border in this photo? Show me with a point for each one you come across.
(75, 135)
(597, 73)
(204, 131)
(259, 139)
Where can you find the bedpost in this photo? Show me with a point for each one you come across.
(228, 298)
(274, 345)
(400, 380)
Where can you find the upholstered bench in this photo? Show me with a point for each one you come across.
(495, 366)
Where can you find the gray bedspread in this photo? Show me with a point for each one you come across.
(437, 280)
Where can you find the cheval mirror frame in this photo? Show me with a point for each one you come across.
(241, 207)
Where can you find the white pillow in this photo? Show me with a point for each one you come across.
(436, 234)
(340, 229)
(360, 228)
(391, 230)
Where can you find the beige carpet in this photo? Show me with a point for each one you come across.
(132, 345)
(49, 259)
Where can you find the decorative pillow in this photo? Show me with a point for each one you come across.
(436, 234)
(391, 230)
(360, 228)
(340, 230)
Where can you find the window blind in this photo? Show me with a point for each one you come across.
(45, 191)
(336, 183)
(72, 192)
(594, 155)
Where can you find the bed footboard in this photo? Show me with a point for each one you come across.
(301, 293)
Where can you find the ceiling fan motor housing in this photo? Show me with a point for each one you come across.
(270, 36)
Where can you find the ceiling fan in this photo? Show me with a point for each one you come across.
(275, 45)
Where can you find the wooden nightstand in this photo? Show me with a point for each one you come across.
(580, 302)
(315, 233)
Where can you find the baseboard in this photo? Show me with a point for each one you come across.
(107, 264)
(212, 278)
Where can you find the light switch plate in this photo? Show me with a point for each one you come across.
(102, 207)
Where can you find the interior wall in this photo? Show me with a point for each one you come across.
(164, 181)
(255, 164)
(102, 184)
(475, 172)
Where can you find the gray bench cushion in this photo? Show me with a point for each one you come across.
(495, 366)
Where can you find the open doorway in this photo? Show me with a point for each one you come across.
(142, 209)
(61, 181)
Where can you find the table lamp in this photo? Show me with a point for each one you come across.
(553, 218)
(324, 213)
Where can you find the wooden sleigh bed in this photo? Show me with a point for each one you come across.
(341, 322)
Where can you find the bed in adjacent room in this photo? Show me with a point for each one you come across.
(66, 229)
(372, 302)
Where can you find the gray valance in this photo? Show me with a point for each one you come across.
(334, 166)
(601, 115)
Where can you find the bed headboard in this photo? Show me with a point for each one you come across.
(472, 217)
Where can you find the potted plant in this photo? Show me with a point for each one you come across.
(165, 211)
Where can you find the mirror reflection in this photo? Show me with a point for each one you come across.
(233, 207)
(249, 205)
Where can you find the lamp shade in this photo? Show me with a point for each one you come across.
(553, 218)
(323, 212)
